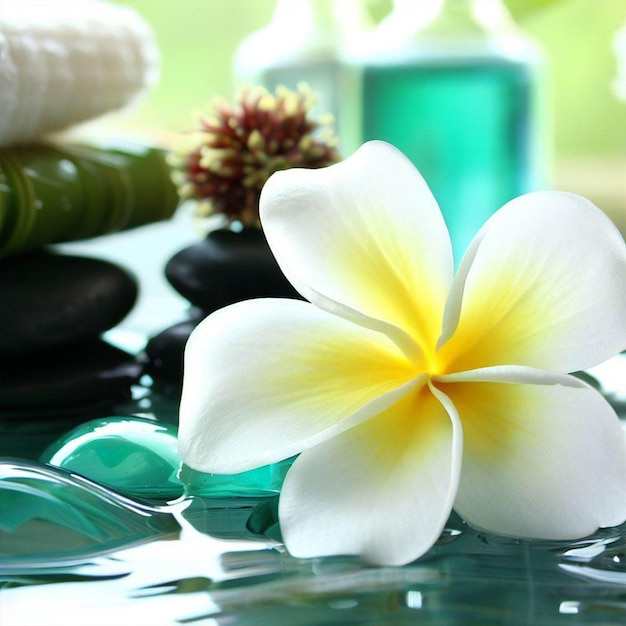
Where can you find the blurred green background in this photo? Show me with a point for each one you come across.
(197, 39)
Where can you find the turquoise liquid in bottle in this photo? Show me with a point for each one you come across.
(465, 123)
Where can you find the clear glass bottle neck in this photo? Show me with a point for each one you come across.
(320, 15)
(455, 17)
(303, 31)
(437, 28)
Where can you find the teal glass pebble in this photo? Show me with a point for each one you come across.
(262, 482)
(135, 456)
(51, 517)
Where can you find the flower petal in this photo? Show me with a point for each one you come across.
(364, 235)
(543, 284)
(539, 461)
(383, 489)
(510, 374)
(266, 378)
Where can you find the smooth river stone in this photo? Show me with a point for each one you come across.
(50, 517)
(134, 456)
(86, 378)
(228, 267)
(52, 299)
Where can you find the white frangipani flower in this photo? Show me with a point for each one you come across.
(407, 390)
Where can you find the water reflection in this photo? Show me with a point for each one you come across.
(219, 560)
(467, 578)
(51, 518)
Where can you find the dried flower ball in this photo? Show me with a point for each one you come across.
(227, 161)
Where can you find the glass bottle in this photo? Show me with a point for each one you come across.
(455, 85)
(306, 41)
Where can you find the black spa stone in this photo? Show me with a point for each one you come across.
(86, 377)
(227, 267)
(164, 354)
(50, 299)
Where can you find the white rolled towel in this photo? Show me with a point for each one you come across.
(63, 62)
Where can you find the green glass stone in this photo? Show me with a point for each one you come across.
(263, 520)
(262, 482)
(134, 456)
(49, 516)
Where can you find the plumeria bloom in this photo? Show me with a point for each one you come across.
(407, 390)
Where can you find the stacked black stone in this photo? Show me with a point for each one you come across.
(227, 267)
(53, 310)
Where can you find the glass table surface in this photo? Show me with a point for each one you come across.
(219, 560)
